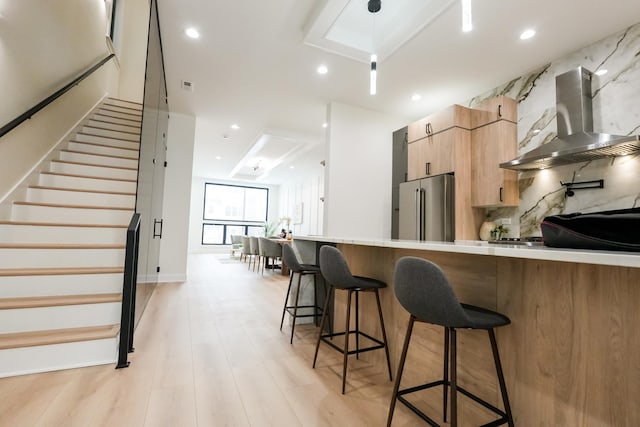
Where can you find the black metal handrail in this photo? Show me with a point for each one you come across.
(129, 292)
(33, 110)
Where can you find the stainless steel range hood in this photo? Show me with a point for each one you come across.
(576, 141)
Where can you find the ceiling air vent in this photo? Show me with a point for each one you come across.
(187, 85)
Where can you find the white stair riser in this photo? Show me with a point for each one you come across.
(39, 195)
(48, 180)
(61, 317)
(110, 111)
(98, 149)
(134, 145)
(73, 284)
(61, 258)
(111, 133)
(109, 118)
(10, 233)
(97, 171)
(124, 109)
(98, 160)
(31, 213)
(30, 360)
(123, 103)
(102, 123)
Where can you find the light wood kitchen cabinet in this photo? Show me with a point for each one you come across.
(491, 145)
(494, 109)
(434, 155)
(454, 116)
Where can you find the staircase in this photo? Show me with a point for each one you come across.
(62, 249)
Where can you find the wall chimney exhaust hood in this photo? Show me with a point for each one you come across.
(576, 141)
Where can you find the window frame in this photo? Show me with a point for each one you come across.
(211, 220)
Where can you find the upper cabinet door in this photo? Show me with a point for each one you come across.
(494, 109)
(454, 116)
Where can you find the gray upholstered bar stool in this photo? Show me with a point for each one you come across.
(336, 273)
(269, 250)
(295, 267)
(424, 291)
(246, 247)
(255, 251)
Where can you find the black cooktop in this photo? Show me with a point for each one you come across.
(528, 241)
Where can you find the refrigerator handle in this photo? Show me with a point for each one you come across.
(447, 236)
(423, 215)
(418, 228)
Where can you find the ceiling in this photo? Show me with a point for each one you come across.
(255, 64)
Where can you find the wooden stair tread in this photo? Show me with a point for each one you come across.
(103, 108)
(123, 106)
(73, 175)
(59, 246)
(59, 224)
(80, 190)
(67, 206)
(113, 98)
(57, 336)
(137, 122)
(57, 301)
(93, 165)
(114, 123)
(108, 130)
(107, 137)
(6, 272)
(95, 144)
(98, 154)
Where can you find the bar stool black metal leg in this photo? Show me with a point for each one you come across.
(384, 334)
(315, 300)
(357, 325)
(346, 340)
(324, 317)
(295, 309)
(454, 380)
(286, 300)
(403, 358)
(445, 375)
(503, 386)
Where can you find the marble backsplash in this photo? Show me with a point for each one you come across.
(616, 110)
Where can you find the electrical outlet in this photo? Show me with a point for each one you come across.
(505, 221)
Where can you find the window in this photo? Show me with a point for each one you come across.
(233, 209)
(235, 203)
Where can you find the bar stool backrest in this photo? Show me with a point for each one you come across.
(290, 258)
(269, 248)
(423, 290)
(334, 268)
(255, 248)
(246, 245)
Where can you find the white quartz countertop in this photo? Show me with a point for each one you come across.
(621, 259)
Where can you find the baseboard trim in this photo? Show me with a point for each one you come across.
(172, 278)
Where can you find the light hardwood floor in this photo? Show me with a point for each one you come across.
(209, 353)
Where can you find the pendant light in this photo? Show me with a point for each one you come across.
(373, 6)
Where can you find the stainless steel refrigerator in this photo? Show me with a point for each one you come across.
(427, 209)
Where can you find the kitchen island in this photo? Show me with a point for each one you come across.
(571, 354)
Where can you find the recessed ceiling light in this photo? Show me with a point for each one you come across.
(601, 72)
(416, 97)
(192, 32)
(527, 34)
(536, 131)
(218, 158)
(467, 24)
(322, 69)
(292, 167)
(235, 126)
(324, 125)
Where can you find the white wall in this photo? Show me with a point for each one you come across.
(177, 198)
(132, 31)
(358, 172)
(197, 206)
(44, 45)
(304, 194)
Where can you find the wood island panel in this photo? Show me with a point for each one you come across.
(570, 355)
